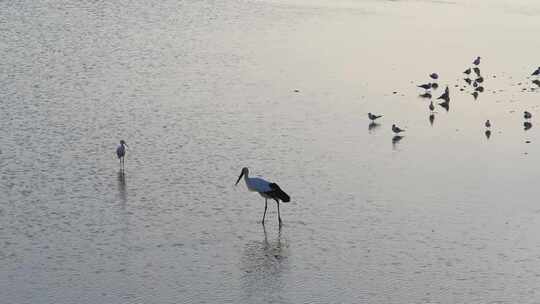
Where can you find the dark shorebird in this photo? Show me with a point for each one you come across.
(372, 117)
(536, 72)
(265, 189)
(527, 125)
(431, 118)
(527, 115)
(446, 95)
(488, 134)
(479, 89)
(479, 79)
(426, 86)
(431, 106)
(467, 71)
(445, 105)
(475, 95)
(396, 129)
(121, 153)
(468, 80)
(476, 61)
(488, 124)
(477, 72)
(536, 82)
(434, 76)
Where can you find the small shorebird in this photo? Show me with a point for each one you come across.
(488, 124)
(265, 189)
(426, 86)
(467, 71)
(434, 76)
(372, 117)
(396, 129)
(477, 71)
(431, 106)
(468, 80)
(425, 95)
(476, 61)
(121, 153)
(527, 115)
(446, 95)
(536, 72)
(527, 125)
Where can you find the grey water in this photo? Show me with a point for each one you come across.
(200, 89)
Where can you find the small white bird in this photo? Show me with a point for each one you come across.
(527, 115)
(266, 189)
(121, 153)
(372, 117)
(396, 129)
(488, 124)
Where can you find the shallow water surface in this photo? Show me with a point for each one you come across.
(200, 89)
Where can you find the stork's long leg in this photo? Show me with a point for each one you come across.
(278, 215)
(265, 206)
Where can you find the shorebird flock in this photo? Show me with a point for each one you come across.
(473, 81)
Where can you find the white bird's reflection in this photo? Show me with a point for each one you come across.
(263, 264)
(122, 186)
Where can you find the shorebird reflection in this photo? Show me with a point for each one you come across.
(395, 140)
(488, 134)
(431, 119)
(122, 186)
(373, 125)
(527, 125)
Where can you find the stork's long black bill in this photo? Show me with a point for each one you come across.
(239, 178)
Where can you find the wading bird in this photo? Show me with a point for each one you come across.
(121, 152)
(266, 189)
(426, 86)
(446, 95)
(396, 129)
(372, 117)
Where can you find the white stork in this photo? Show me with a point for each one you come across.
(121, 152)
(266, 189)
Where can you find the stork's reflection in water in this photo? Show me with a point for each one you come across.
(264, 264)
